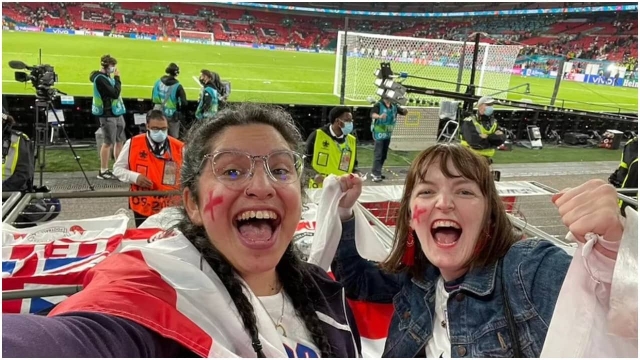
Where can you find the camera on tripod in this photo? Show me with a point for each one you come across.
(42, 77)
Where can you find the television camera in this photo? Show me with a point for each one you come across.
(42, 78)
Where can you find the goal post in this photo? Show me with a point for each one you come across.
(196, 37)
(435, 59)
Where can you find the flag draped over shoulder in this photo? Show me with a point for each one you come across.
(183, 296)
(61, 253)
(372, 318)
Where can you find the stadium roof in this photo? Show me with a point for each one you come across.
(443, 6)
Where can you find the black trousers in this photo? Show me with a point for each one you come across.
(380, 151)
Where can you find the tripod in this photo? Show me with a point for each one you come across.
(44, 104)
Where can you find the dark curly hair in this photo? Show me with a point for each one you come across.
(292, 271)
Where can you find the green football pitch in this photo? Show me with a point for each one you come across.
(256, 75)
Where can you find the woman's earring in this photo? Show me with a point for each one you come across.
(410, 250)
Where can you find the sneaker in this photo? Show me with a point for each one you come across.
(383, 177)
(107, 175)
(375, 178)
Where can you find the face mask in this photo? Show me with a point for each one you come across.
(111, 69)
(488, 111)
(158, 136)
(347, 128)
(202, 81)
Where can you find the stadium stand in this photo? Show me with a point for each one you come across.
(601, 37)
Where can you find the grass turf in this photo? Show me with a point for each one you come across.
(61, 159)
(256, 75)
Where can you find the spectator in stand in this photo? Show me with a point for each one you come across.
(151, 161)
(208, 103)
(109, 108)
(169, 96)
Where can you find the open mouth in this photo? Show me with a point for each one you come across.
(257, 227)
(446, 233)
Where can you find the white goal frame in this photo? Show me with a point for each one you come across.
(493, 68)
(212, 37)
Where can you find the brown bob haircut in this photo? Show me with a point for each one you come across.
(501, 234)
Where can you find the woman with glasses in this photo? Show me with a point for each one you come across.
(242, 196)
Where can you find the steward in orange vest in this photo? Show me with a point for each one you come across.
(151, 162)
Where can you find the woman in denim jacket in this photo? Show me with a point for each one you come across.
(461, 282)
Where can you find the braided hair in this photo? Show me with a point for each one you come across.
(296, 279)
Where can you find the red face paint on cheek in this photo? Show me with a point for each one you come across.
(212, 203)
(417, 213)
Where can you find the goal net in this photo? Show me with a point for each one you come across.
(428, 58)
(196, 37)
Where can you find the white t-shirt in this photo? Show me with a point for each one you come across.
(298, 342)
(439, 345)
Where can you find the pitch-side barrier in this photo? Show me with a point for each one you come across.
(9, 200)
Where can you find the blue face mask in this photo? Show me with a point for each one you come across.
(488, 111)
(347, 128)
(158, 136)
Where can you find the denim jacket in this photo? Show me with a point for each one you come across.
(534, 271)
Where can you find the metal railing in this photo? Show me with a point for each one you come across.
(9, 200)
(44, 292)
(621, 192)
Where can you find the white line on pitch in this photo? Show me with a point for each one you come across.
(241, 65)
(195, 78)
(190, 88)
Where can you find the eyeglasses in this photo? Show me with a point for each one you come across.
(233, 168)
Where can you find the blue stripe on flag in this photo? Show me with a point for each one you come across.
(39, 304)
(52, 264)
(8, 266)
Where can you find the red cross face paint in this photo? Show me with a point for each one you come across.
(417, 214)
(212, 203)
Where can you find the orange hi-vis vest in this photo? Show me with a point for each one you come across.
(163, 171)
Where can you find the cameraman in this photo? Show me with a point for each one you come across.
(169, 96)
(109, 108)
(17, 159)
(208, 104)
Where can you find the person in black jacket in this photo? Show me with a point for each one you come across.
(106, 101)
(209, 96)
(222, 90)
(169, 95)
